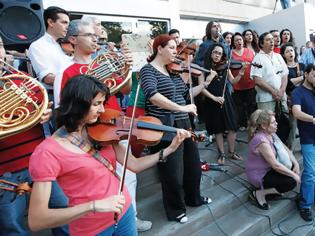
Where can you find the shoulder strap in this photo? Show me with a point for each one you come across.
(86, 147)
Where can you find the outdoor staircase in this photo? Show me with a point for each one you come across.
(230, 212)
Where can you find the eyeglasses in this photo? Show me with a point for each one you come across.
(90, 35)
(217, 53)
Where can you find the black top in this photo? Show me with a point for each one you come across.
(293, 73)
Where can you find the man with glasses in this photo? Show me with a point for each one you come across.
(46, 55)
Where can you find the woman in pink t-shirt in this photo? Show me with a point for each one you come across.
(70, 158)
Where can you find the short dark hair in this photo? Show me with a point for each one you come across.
(309, 68)
(262, 38)
(76, 100)
(233, 37)
(227, 33)
(272, 31)
(173, 31)
(52, 13)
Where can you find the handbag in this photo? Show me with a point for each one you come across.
(281, 153)
(282, 119)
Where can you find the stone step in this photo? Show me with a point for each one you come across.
(199, 217)
(207, 153)
(150, 204)
(248, 220)
(292, 225)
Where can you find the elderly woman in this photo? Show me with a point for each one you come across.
(270, 166)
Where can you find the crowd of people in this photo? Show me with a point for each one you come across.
(250, 81)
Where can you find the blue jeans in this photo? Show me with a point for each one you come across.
(13, 207)
(308, 176)
(126, 226)
(285, 4)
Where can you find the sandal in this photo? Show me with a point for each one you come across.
(235, 156)
(221, 159)
(253, 198)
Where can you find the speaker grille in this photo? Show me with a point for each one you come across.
(19, 24)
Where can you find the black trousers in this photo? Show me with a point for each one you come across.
(245, 101)
(282, 183)
(181, 172)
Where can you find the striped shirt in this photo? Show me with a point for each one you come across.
(173, 88)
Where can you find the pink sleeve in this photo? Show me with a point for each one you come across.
(43, 165)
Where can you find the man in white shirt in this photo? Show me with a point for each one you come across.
(271, 79)
(46, 55)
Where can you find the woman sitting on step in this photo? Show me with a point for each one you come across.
(270, 166)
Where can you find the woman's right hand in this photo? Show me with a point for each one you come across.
(219, 100)
(113, 203)
(191, 108)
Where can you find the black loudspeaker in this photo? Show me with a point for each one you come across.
(21, 22)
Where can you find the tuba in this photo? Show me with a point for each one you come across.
(111, 68)
(23, 101)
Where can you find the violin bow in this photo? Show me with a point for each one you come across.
(124, 167)
(227, 74)
(190, 83)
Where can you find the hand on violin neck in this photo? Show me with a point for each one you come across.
(211, 76)
(177, 140)
(242, 70)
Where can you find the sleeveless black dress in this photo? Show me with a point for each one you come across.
(219, 119)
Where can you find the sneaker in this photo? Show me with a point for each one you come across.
(206, 200)
(143, 225)
(306, 214)
(242, 128)
(182, 218)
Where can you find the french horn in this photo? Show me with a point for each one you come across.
(23, 101)
(111, 68)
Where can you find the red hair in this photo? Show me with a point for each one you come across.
(160, 40)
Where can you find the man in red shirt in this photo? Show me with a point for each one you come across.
(82, 35)
(276, 40)
(15, 152)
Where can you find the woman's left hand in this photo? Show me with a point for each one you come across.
(47, 114)
(179, 138)
(296, 169)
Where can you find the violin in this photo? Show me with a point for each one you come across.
(178, 67)
(236, 65)
(66, 46)
(184, 50)
(113, 126)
